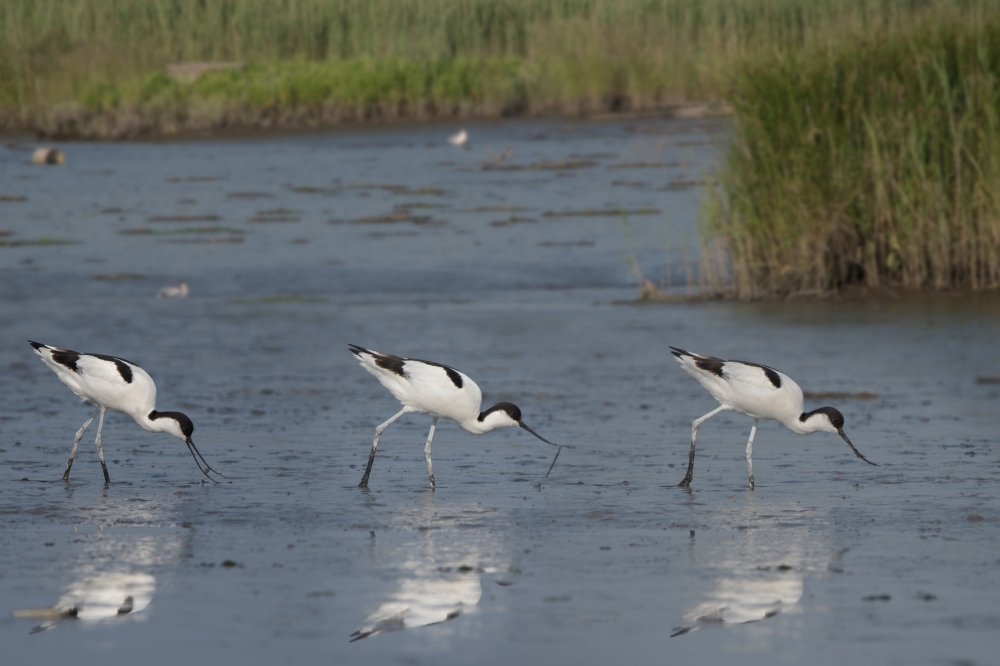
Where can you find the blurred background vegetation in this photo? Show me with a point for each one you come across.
(866, 143)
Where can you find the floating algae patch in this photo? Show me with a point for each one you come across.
(4, 233)
(422, 204)
(146, 231)
(493, 209)
(681, 185)
(544, 165)
(193, 179)
(276, 215)
(204, 239)
(309, 189)
(12, 198)
(116, 277)
(37, 242)
(513, 219)
(397, 216)
(185, 218)
(279, 298)
(602, 212)
(641, 165)
(249, 195)
(399, 189)
(583, 243)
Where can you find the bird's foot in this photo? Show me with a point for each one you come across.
(686, 483)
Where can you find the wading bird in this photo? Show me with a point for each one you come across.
(759, 392)
(179, 290)
(431, 388)
(459, 139)
(110, 383)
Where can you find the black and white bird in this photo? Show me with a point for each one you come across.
(431, 388)
(759, 392)
(111, 383)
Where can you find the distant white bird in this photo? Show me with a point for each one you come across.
(179, 290)
(102, 597)
(459, 139)
(111, 383)
(419, 603)
(431, 388)
(759, 392)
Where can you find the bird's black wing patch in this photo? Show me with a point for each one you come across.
(120, 363)
(389, 362)
(66, 358)
(452, 373)
(709, 364)
(771, 374)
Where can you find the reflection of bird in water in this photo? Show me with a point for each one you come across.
(99, 598)
(179, 290)
(759, 392)
(735, 601)
(113, 383)
(418, 603)
(430, 388)
(459, 139)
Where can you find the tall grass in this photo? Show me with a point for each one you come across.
(95, 66)
(875, 161)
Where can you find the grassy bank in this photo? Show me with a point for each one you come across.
(875, 161)
(95, 67)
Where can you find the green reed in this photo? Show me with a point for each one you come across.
(94, 66)
(874, 160)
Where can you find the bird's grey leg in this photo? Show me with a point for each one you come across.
(753, 431)
(427, 452)
(371, 456)
(76, 442)
(100, 447)
(694, 433)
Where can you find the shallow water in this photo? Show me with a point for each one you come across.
(829, 560)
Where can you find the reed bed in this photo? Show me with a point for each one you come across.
(874, 161)
(95, 67)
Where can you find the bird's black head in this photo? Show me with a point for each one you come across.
(184, 424)
(508, 408)
(836, 418)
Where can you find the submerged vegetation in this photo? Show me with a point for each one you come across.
(875, 162)
(97, 68)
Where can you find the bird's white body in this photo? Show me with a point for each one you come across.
(179, 290)
(427, 388)
(438, 390)
(459, 139)
(750, 389)
(99, 381)
(760, 392)
(113, 384)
